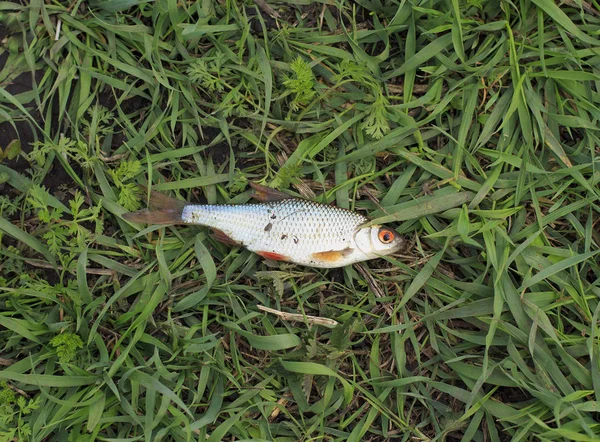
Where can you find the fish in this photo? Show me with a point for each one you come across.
(281, 228)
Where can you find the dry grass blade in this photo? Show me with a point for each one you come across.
(296, 317)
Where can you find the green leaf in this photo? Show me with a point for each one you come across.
(421, 279)
(423, 206)
(206, 260)
(556, 268)
(269, 343)
(319, 370)
(552, 9)
(45, 380)
(95, 412)
(26, 238)
(12, 150)
(20, 327)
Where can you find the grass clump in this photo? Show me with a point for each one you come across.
(470, 127)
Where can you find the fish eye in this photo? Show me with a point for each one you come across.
(386, 236)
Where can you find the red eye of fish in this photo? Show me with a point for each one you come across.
(386, 236)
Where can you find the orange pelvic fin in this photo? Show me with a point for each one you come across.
(332, 256)
(265, 194)
(272, 255)
(221, 236)
(168, 211)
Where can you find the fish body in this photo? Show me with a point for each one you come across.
(286, 229)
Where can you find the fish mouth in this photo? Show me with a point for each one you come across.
(400, 243)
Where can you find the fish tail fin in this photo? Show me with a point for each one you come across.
(160, 201)
(163, 210)
(146, 216)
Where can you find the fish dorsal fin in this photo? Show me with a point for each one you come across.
(266, 194)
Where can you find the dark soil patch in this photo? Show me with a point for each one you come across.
(21, 130)
(25, 131)
(220, 151)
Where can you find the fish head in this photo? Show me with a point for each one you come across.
(377, 240)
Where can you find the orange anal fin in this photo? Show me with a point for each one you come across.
(332, 256)
(264, 193)
(274, 256)
(154, 217)
(221, 236)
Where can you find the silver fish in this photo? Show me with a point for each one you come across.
(282, 228)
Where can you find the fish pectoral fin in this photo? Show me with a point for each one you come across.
(266, 194)
(273, 255)
(221, 236)
(332, 256)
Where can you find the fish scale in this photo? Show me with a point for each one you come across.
(294, 228)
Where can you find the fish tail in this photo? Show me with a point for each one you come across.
(164, 210)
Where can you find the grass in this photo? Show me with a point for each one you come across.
(469, 126)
